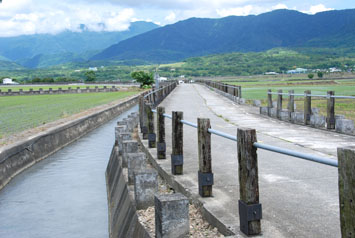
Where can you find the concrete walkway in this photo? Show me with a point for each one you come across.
(299, 198)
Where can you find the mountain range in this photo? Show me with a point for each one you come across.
(201, 36)
(146, 42)
(42, 50)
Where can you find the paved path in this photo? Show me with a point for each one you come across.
(299, 198)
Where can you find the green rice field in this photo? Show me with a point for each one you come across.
(47, 87)
(258, 90)
(19, 113)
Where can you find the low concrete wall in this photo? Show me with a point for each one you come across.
(123, 219)
(59, 91)
(16, 158)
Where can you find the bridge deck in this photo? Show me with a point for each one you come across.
(299, 198)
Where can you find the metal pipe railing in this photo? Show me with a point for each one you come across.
(314, 158)
(312, 95)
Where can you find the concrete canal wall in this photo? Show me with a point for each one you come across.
(123, 219)
(17, 157)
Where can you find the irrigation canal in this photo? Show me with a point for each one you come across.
(63, 195)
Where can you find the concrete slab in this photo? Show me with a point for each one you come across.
(300, 198)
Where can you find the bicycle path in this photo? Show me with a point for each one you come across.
(299, 198)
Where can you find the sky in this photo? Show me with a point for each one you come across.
(26, 17)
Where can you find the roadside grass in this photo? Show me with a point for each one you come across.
(19, 113)
(46, 87)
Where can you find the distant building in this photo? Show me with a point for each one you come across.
(334, 70)
(8, 81)
(271, 73)
(162, 78)
(93, 68)
(297, 71)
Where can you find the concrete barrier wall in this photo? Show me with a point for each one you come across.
(16, 158)
(58, 91)
(123, 219)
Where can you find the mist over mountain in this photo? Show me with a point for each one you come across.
(34, 50)
(200, 36)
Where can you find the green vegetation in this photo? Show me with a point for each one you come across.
(19, 113)
(144, 78)
(46, 87)
(196, 37)
(345, 87)
(229, 64)
(90, 76)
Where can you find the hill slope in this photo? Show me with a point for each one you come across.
(197, 37)
(25, 47)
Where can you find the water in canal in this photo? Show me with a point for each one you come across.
(64, 195)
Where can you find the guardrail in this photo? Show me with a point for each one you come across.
(250, 211)
(227, 88)
(309, 117)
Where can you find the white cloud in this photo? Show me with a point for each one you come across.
(52, 19)
(317, 8)
(238, 11)
(279, 6)
(171, 17)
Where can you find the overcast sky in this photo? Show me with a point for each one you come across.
(18, 17)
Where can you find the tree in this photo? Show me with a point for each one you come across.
(320, 75)
(143, 78)
(90, 76)
(310, 76)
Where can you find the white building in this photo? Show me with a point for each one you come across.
(297, 71)
(8, 81)
(93, 68)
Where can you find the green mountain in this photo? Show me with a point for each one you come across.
(198, 37)
(8, 65)
(34, 50)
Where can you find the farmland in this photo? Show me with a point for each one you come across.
(19, 113)
(344, 87)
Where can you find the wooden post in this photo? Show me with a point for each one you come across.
(330, 110)
(177, 159)
(141, 99)
(346, 172)
(291, 103)
(161, 146)
(279, 104)
(240, 91)
(145, 121)
(205, 175)
(150, 125)
(269, 102)
(249, 207)
(307, 107)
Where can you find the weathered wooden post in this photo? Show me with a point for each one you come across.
(140, 108)
(346, 173)
(145, 121)
(307, 107)
(279, 104)
(150, 125)
(291, 103)
(240, 91)
(250, 212)
(177, 158)
(161, 145)
(269, 102)
(205, 175)
(330, 110)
